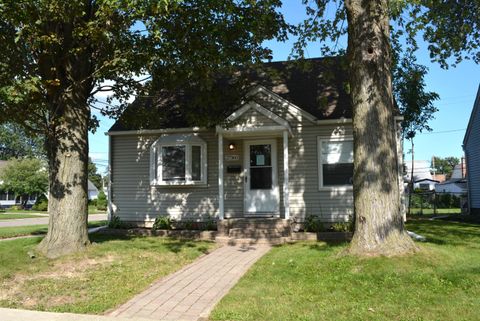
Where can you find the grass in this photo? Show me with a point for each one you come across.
(92, 209)
(13, 216)
(438, 210)
(313, 281)
(107, 274)
(7, 232)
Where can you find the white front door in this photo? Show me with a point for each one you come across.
(262, 196)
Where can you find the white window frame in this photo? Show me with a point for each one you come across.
(186, 140)
(320, 141)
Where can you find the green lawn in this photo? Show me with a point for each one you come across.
(312, 281)
(13, 216)
(104, 276)
(6, 232)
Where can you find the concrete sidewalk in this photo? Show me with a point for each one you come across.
(26, 315)
(192, 292)
(44, 220)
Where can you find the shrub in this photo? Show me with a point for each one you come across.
(162, 223)
(16, 208)
(117, 223)
(41, 203)
(210, 225)
(313, 224)
(92, 202)
(101, 201)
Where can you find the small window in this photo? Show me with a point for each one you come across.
(335, 162)
(178, 160)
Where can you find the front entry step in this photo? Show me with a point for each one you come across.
(247, 231)
(226, 240)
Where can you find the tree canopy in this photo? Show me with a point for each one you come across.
(15, 143)
(445, 165)
(57, 55)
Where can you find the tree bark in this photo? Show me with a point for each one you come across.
(67, 151)
(379, 227)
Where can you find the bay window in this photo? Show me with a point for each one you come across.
(178, 160)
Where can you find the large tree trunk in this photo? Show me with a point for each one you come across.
(379, 227)
(67, 150)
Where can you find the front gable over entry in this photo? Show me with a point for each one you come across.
(252, 118)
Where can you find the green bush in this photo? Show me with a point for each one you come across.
(117, 223)
(162, 223)
(16, 208)
(41, 204)
(210, 225)
(101, 201)
(92, 202)
(312, 224)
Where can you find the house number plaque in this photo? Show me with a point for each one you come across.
(231, 158)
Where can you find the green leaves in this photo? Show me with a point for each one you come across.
(26, 176)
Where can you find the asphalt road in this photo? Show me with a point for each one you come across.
(44, 220)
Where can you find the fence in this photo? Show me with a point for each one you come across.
(432, 202)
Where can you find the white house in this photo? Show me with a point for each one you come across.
(471, 147)
(284, 151)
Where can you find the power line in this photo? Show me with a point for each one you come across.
(442, 131)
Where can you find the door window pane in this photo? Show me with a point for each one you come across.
(173, 163)
(196, 163)
(261, 178)
(260, 155)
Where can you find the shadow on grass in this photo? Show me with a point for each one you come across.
(446, 232)
(148, 242)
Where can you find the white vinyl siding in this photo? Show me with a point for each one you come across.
(472, 154)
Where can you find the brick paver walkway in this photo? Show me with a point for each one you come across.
(192, 292)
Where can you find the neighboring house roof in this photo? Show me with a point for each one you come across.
(317, 86)
(92, 187)
(475, 113)
(459, 182)
(426, 180)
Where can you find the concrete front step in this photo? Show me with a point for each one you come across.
(258, 233)
(225, 240)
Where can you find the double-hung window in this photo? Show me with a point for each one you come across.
(335, 162)
(178, 160)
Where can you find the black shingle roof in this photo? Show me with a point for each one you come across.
(318, 86)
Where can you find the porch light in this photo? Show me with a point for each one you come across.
(231, 146)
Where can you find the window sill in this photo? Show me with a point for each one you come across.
(336, 188)
(180, 184)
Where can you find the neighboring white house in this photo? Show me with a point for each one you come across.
(284, 151)
(421, 170)
(92, 191)
(8, 199)
(425, 184)
(471, 147)
(458, 187)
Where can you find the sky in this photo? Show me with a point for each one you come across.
(457, 88)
